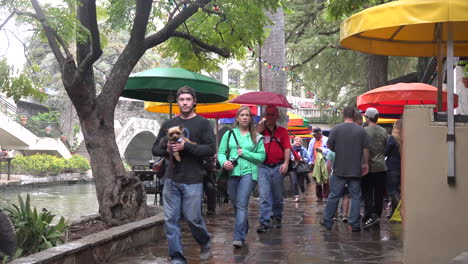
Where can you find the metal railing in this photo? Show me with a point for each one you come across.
(38, 128)
(316, 115)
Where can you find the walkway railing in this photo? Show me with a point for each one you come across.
(316, 115)
(38, 128)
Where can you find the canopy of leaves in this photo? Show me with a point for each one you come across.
(18, 85)
(330, 72)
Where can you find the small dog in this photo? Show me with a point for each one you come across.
(174, 134)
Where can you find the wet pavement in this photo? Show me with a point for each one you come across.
(300, 240)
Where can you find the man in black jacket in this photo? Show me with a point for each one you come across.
(183, 188)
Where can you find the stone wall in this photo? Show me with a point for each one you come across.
(103, 246)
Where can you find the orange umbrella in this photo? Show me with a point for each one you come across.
(297, 120)
(229, 113)
(391, 99)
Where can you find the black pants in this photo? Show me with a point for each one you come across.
(297, 181)
(373, 186)
(210, 191)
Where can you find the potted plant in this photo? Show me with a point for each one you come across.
(464, 64)
(24, 120)
(63, 138)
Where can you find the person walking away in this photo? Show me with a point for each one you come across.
(373, 184)
(393, 163)
(240, 152)
(270, 174)
(183, 188)
(318, 143)
(298, 155)
(350, 143)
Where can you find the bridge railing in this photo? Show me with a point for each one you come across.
(316, 115)
(38, 128)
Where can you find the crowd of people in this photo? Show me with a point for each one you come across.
(355, 164)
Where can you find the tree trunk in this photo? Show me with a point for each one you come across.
(120, 195)
(273, 51)
(377, 71)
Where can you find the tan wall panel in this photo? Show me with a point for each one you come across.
(435, 213)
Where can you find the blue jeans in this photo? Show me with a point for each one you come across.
(393, 182)
(240, 188)
(337, 186)
(270, 185)
(186, 199)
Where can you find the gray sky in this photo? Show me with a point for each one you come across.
(10, 46)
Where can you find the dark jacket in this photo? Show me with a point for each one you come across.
(392, 152)
(199, 130)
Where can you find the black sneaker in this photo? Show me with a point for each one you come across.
(325, 226)
(277, 223)
(263, 228)
(370, 222)
(210, 212)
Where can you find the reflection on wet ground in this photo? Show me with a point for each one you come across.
(300, 240)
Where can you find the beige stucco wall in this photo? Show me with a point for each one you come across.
(435, 217)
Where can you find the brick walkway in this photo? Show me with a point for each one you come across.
(300, 240)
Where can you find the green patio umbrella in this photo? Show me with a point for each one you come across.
(161, 85)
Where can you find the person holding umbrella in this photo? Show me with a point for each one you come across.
(270, 178)
(183, 188)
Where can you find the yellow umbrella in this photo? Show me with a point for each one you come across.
(407, 28)
(415, 28)
(201, 108)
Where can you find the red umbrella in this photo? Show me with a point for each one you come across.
(391, 99)
(262, 98)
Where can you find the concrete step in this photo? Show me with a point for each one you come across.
(82, 151)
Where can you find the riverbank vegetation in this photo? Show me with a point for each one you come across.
(43, 165)
(34, 232)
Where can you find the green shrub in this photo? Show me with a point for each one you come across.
(34, 232)
(43, 164)
(77, 163)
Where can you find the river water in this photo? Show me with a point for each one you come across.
(68, 200)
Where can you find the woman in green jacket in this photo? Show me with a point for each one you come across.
(240, 152)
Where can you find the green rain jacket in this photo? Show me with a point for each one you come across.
(252, 154)
(320, 169)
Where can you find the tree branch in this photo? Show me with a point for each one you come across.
(25, 49)
(140, 23)
(292, 31)
(129, 57)
(7, 19)
(329, 32)
(166, 32)
(96, 51)
(309, 58)
(224, 52)
(51, 35)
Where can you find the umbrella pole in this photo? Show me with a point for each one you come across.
(440, 66)
(450, 117)
(170, 109)
(217, 134)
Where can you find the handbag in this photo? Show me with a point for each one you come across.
(224, 174)
(303, 167)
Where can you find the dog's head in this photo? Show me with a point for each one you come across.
(175, 133)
